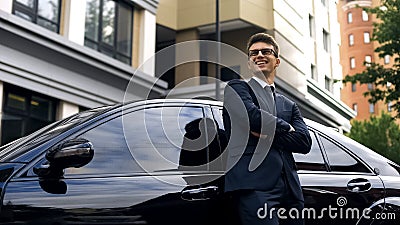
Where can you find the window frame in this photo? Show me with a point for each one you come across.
(371, 108)
(326, 40)
(364, 15)
(352, 62)
(34, 14)
(353, 87)
(368, 60)
(206, 111)
(386, 59)
(351, 39)
(105, 48)
(367, 37)
(311, 25)
(27, 114)
(314, 74)
(355, 107)
(345, 150)
(328, 83)
(389, 107)
(349, 17)
(323, 154)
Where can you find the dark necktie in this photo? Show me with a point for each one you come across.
(273, 92)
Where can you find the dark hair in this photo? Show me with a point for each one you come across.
(263, 37)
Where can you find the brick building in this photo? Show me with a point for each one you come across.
(356, 27)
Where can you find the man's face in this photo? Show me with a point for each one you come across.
(262, 56)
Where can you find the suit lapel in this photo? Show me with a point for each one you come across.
(278, 103)
(264, 97)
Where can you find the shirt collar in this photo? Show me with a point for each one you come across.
(263, 83)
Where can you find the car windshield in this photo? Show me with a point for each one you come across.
(21, 145)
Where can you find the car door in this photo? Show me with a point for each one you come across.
(135, 176)
(337, 185)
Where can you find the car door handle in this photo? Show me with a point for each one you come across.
(359, 185)
(201, 193)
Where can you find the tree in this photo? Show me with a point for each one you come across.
(380, 134)
(387, 34)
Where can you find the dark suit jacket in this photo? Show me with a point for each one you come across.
(249, 107)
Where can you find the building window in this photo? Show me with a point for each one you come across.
(24, 112)
(353, 87)
(364, 15)
(349, 17)
(386, 59)
(352, 63)
(371, 108)
(311, 25)
(325, 40)
(314, 74)
(351, 39)
(328, 83)
(108, 28)
(44, 13)
(355, 107)
(366, 37)
(368, 60)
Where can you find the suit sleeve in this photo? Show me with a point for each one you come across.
(298, 141)
(237, 94)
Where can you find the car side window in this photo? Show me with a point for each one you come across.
(313, 160)
(167, 138)
(111, 153)
(339, 160)
(147, 140)
(217, 112)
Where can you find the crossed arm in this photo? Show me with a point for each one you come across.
(237, 94)
(293, 136)
(298, 141)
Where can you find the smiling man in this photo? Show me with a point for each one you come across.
(264, 129)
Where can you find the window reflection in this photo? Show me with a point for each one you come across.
(92, 19)
(45, 13)
(111, 154)
(160, 139)
(313, 160)
(48, 9)
(108, 28)
(29, 3)
(339, 160)
(24, 112)
(124, 44)
(203, 142)
(156, 137)
(108, 22)
(148, 140)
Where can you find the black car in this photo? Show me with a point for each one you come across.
(130, 164)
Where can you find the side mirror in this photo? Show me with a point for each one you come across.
(71, 153)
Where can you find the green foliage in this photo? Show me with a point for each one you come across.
(380, 134)
(387, 34)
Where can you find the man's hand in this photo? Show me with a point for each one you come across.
(263, 136)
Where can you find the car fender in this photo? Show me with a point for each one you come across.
(389, 205)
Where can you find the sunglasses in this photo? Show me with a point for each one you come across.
(264, 51)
